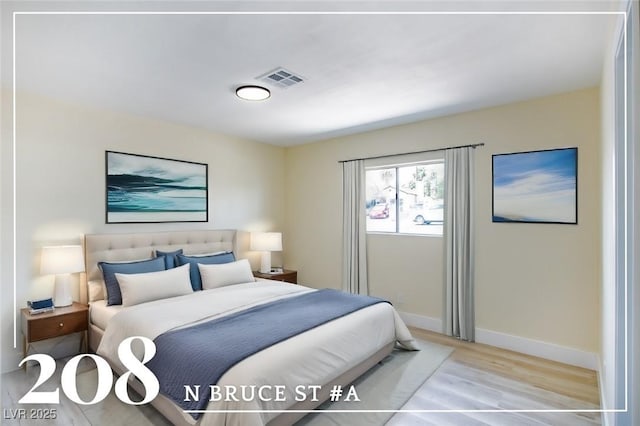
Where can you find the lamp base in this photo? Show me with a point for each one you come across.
(62, 291)
(265, 263)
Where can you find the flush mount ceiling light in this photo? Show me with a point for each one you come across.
(253, 93)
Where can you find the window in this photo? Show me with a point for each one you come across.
(406, 199)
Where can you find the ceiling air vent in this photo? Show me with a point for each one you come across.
(280, 77)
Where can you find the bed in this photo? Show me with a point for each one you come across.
(335, 352)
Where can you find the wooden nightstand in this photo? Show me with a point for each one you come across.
(59, 322)
(287, 275)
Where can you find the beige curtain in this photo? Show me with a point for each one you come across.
(459, 242)
(354, 268)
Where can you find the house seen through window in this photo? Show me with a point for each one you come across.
(406, 199)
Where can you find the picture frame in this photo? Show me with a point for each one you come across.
(148, 189)
(535, 187)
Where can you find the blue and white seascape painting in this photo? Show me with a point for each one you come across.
(538, 187)
(151, 189)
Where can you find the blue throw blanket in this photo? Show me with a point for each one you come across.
(201, 354)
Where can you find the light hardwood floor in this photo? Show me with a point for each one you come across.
(482, 377)
(474, 377)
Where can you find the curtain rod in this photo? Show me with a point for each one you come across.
(414, 152)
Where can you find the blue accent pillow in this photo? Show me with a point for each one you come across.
(194, 272)
(109, 271)
(169, 257)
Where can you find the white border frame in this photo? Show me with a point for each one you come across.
(14, 162)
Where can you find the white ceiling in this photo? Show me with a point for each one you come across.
(361, 71)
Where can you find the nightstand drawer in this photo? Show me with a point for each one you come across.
(59, 325)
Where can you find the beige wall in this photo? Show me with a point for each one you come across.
(535, 281)
(60, 168)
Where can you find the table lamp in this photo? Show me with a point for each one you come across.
(62, 261)
(266, 242)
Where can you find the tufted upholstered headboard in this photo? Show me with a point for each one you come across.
(137, 246)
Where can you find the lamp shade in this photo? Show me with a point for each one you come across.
(266, 241)
(61, 260)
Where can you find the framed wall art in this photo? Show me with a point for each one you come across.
(536, 186)
(141, 188)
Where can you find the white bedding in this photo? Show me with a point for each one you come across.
(312, 358)
(100, 314)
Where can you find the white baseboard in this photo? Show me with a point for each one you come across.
(523, 345)
(421, 321)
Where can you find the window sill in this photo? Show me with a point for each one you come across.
(402, 234)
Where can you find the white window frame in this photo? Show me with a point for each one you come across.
(397, 166)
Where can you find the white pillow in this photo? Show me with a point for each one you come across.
(97, 290)
(145, 287)
(219, 275)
